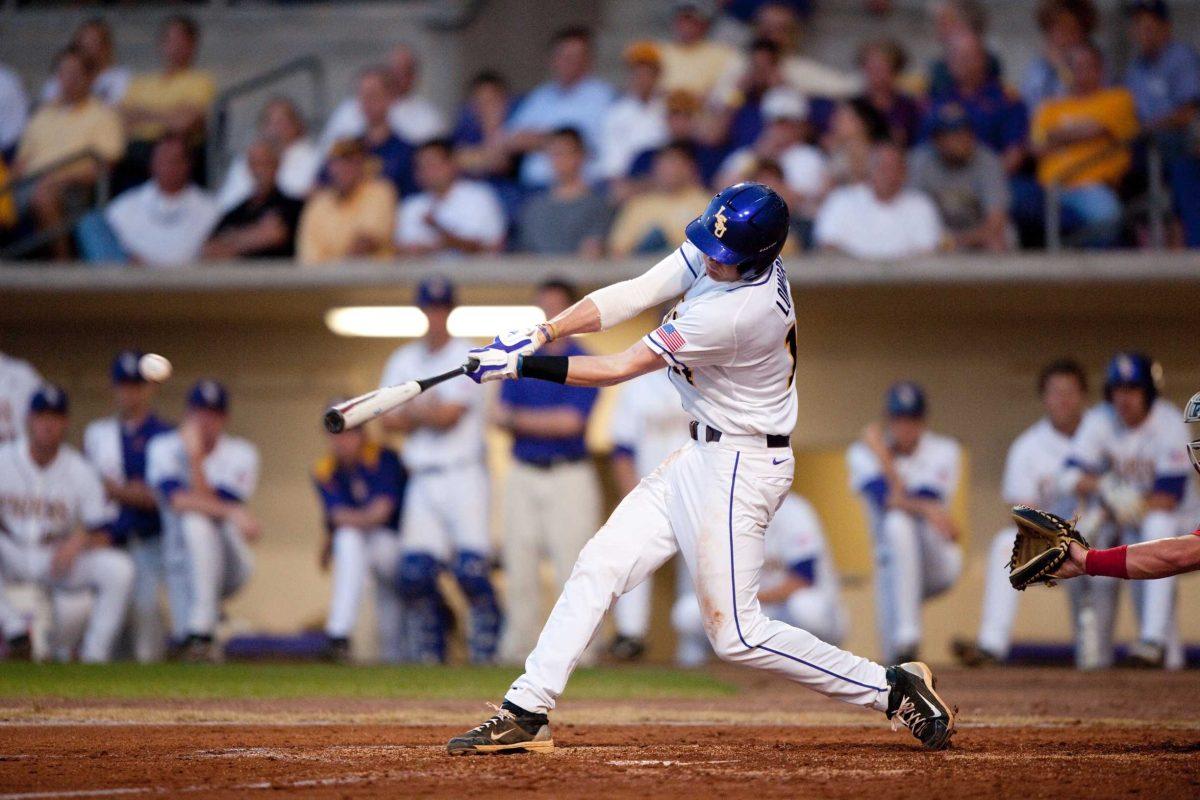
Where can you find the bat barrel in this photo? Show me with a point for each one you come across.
(334, 421)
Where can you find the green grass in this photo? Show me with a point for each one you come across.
(277, 681)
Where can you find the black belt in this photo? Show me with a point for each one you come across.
(552, 463)
(711, 434)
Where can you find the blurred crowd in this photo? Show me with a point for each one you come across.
(149, 510)
(892, 160)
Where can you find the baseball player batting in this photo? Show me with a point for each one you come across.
(1158, 558)
(730, 346)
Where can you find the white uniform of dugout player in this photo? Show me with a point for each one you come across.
(648, 424)
(18, 382)
(731, 349)
(203, 478)
(798, 586)
(1131, 453)
(1033, 477)
(907, 475)
(445, 520)
(54, 529)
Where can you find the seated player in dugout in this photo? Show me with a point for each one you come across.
(731, 348)
(203, 478)
(907, 475)
(361, 487)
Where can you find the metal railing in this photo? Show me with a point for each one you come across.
(219, 151)
(101, 193)
(1154, 204)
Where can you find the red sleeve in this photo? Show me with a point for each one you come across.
(1196, 532)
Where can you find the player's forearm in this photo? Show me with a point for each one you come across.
(374, 515)
(203, 502)
(1161, 501)
(609, 370)
(583, 317)
(134, 493)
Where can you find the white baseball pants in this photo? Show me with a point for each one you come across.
(711, 502)
(357, 556)
(207, 561)
(105, 572)
(446, 511)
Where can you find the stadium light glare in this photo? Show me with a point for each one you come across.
(407, 322)
(377, 321)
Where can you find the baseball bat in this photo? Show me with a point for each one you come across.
(366, 407)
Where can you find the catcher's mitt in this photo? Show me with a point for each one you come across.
(1042, 544)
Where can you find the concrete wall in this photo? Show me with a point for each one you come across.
(976, 345)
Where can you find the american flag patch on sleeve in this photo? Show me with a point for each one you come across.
(671, 339)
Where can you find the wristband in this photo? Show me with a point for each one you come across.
(548, 331)
(1109, 563)
(543, 368)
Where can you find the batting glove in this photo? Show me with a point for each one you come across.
(493, 364)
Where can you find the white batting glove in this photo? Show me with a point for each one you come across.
(1122, 499)
(494, 364)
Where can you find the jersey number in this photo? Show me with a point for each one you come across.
(790, 340)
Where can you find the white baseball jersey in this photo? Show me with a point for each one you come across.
(18, 382)
(459, 446)
(40, 504)
(649, 421)
(1034, 468)
(732, 349)
(930, 470)
(1152, 456)
(231, 469)
(795, 542)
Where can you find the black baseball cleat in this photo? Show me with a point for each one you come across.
(970, 654)
(20, 648)
(510, 730)
(914, 703)
(627, 648)
(336, 650)
(1144, 655)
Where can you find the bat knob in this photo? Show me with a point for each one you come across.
(334, 421)
(472, 364)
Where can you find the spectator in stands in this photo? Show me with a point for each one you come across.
(1164, 78)
(451, 214)
(552, 497)
(691, 61)
(570, 217)
(782, 140)
(683, 125)
(264, 224)
(739, 111)
(572, 98)
(1083, 146)
(654, 221)
(280, 124)
(637, 121)
(952, 19)
(778, 22)
(14, 110)
(75, 123)
(1065, 24)
(966, 181)
(412, 116)
(389, 156)
(350, 218)
(854, 129)
(165, 221)
(94, 40)
(173, 101)
(881, 61)
(999, 119)
(479, 138)
(880, 219)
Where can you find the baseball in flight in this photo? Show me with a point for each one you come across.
(154, 367)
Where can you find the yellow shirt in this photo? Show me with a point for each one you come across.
(695, 68)
(159, 92)
(8, 209)
(655, 213)
(58, 130)
(329, 224)
(1112, 108)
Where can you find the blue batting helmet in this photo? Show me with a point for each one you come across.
(1133, 369)
(745, 226)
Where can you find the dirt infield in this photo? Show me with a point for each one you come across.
(1023, 733)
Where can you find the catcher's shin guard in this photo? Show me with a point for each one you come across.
(471, 571)
(416, 582)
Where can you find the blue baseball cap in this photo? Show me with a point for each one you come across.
(436, 291)
(950, 117)
(49, 399)
(905, 399)
(1158, 8)
(125, 367)
(209, 395)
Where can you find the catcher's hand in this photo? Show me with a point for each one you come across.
(1042, 546)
